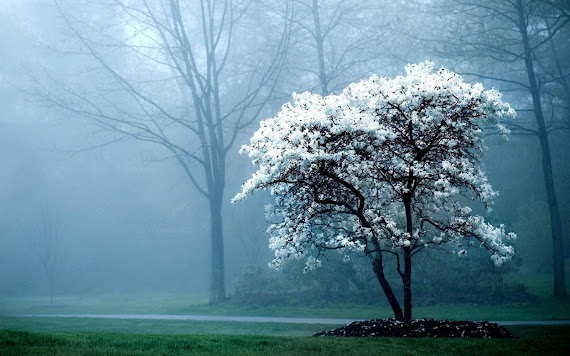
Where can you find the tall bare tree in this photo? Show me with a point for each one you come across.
(337, 42)
(506, 38)
(188, 76)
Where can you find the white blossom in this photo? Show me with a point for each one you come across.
(340, 166)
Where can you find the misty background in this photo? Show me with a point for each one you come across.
(127, 218)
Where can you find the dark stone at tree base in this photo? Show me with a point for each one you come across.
(421, 328)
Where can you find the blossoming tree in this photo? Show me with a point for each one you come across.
(384, 167)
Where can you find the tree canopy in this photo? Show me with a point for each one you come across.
(386, 166)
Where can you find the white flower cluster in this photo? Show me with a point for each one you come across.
(342, 166)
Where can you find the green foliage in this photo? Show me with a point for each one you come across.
(333, 283)
(533, 247)
(438, 278)
(447, 279)
(258, 286)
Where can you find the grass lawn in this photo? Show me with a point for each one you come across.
(534, 340)
(546, 309)
(81, 336)
(138, 326)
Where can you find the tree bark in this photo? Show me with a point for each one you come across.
(555, 222)
(217, 280)
(407, 275)
(376, 259)
(407, 281)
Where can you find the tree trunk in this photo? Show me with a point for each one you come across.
(555, 222)
(320, 49)
(375, 255)
(407, 275)
(376, 259)
(407, 281)
(217, 280)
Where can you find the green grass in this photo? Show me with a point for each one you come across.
(138, 326)
(538, 284)
(82, 336)
(534, 340)
(546, 308)
(110, 303)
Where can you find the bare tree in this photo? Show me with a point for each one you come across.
(176, 73)
(337, 42)
(506, 38)
(554, 63)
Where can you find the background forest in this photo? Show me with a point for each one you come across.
(121, 124)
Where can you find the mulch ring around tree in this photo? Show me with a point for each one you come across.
(421, 328)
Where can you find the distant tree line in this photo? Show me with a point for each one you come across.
(192, 77)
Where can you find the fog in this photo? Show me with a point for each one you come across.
(127, 216)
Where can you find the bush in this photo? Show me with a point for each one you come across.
(534, 245)
(437, 279)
